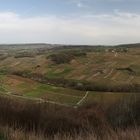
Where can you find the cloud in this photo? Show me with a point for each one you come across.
(79, 3)
(120, 27)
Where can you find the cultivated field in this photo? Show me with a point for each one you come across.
(95, 73)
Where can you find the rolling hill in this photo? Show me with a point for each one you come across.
(63, 73)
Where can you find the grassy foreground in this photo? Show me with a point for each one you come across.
(128, 134)
(21, 120)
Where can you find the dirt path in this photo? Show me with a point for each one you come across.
(83, 98)
(115, 76)
(38, 100)
(130, 79)
(116, 54)
(109, 73)
(15, 64)
(96, 74)
(66, 95)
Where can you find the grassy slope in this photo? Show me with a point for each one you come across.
(97, 66)
(100, 67)
(28, 88)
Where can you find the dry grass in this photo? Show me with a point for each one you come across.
(128, 134)
(29, 121)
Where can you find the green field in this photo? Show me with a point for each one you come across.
(21, 87)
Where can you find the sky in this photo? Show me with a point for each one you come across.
(91, 22)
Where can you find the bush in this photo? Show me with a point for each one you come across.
(125, 113)
(66, 56)
(61, 58)
(24, 54)
(50, 119)
(47, 118)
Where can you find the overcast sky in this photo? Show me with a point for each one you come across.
(70, 21)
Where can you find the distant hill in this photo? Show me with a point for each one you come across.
(129, 45)
(28, 46)
(63, 46)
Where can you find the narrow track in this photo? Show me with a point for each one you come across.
(83, 98)
(109, 73)
(38, 100)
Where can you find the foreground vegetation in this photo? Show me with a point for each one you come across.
(128, 134)
(26, 120)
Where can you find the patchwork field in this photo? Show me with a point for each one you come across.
(113, 67)
(24, 88)
(110, 74)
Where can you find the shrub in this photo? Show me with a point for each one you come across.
(50, 119)
(125, 113)
(24, 54)
(65, 56)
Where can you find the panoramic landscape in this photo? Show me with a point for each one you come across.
(70, 70)
(98, 84)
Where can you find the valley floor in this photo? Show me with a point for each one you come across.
(27, 89)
